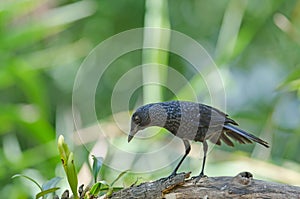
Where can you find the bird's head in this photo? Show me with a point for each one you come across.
(146, 116)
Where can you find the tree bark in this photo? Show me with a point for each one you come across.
(241, 186)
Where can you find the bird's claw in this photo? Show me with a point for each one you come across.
(197, 178)
(170, 176)
(174, 174)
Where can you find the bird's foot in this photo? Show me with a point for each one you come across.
(175, 177)
(173, 174)
(197, 178)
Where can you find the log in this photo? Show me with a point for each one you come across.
(181, 186)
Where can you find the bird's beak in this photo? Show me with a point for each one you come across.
(130, 137)
(133, 131)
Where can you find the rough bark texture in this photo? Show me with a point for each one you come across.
(241, 186)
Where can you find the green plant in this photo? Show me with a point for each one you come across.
(99, 187)
(46, 189)
(67, 159)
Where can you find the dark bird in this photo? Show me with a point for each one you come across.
(191, 121)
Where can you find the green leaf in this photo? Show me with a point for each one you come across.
(51, 183)
(67, 158)
(72, 175)
(97, 164)
(45, 192)
(117, 188)
(119, 176)
(112, 189)
(29, 178)
(97, 187)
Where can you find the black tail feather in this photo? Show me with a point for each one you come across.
(242, 136)
(240, 139)
(226, 140)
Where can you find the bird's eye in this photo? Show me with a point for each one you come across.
(137, 119)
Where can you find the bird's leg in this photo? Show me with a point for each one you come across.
(187, 151)
(205, 147)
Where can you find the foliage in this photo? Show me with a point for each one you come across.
(46, 188)
(99, 188)
(67, 159)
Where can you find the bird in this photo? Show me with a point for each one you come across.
(191, 121)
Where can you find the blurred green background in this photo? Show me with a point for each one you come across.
(256, 45)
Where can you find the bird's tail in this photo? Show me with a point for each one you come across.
(242, 136)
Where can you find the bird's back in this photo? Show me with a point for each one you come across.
(193, 121)
(199, 122)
